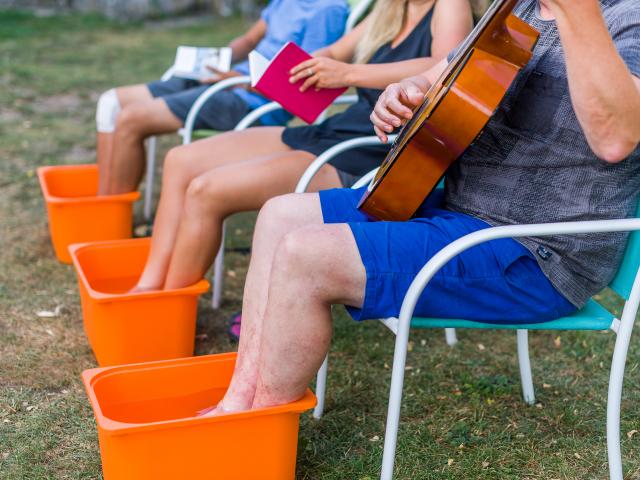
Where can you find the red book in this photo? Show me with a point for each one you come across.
(271, 78)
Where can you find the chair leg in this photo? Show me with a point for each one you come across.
(321, 388)
(526, 377)
(395, 400)
(614, 399)
(218, 272)
(450, 335)
(616, 380)
(148, 190)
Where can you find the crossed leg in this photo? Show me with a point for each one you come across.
(299, 268)
(228, 189)
(246, 168)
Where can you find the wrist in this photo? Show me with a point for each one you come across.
(421, 82)
(352, 75)
(565, 11)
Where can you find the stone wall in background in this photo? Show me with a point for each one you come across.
(117, 9)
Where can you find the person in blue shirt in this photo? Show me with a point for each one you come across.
(126, 116)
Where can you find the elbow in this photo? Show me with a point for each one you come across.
(615, 152)
(613, 136)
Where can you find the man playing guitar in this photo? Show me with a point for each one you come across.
(563, 146)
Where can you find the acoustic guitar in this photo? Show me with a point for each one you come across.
(454, 112)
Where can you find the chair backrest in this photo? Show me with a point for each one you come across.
(358, 9)
(626, 275)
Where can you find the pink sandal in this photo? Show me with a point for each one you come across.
(236, 323)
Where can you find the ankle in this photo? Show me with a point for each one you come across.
(139, 288)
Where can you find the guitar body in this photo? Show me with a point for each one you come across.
(455, 111)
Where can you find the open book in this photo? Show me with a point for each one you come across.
(271, 78)
(192, 62)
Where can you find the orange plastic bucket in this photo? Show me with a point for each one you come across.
(132, 327)
(77, 214)
(148, 430)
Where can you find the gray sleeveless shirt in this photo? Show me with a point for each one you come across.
(532, 163)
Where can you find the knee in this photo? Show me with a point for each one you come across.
(208, 193)
(198, 192)
(175, 174)
(107, 111)
(299, 253)
(174, 161)
(279, 211)
(131, 119)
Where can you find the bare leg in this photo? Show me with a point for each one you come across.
(136, 122)
(278, 218)
(181, 166)
(104, 141)
(104, 150)
(229, 189)
(314, 267)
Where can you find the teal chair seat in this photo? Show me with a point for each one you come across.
(592, 317)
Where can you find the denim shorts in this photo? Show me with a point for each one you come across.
(221, 112)
(496, 282)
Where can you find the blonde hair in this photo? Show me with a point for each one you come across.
(385, 22)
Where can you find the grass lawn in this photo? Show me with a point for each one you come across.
(462, 416)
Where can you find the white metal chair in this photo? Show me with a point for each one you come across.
(592, 317)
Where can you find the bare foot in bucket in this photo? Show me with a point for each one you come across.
(142, 289)
(214, 411)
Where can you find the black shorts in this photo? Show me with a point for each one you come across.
(222, 111)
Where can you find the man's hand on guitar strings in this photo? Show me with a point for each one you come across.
(395, 107)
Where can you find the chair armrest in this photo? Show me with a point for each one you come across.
(317, 164)
(512, 231)
(345, 100)
(256, 114)
(365, 179)
(168, 73)
(187, 131)
(341, 100)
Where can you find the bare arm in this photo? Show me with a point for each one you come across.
(452, 21)
(604, 93)
(240, 47)
(243, 45)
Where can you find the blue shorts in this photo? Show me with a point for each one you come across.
(495, 282)
(221, 112)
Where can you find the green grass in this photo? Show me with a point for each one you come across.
(462, 416)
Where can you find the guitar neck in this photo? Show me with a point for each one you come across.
(497, 13)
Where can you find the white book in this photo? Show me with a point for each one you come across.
(192, 62)
(258, 64)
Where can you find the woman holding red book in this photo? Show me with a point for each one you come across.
(207, 181)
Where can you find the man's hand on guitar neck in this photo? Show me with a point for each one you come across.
(395, 106)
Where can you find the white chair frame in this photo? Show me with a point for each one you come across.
(401, 326)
